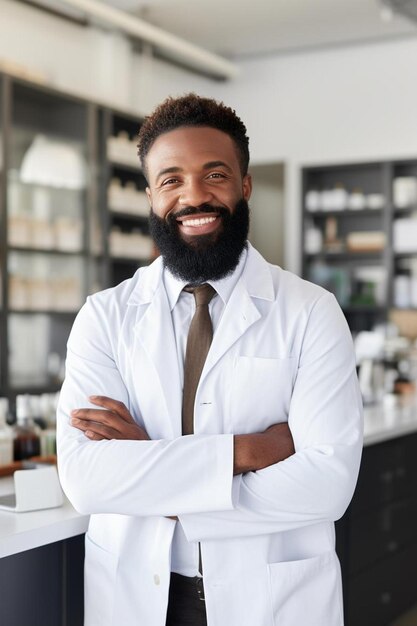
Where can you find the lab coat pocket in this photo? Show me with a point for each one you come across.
(260, 392)
(307, 591)
(100, 572)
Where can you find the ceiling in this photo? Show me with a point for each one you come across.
(240, 28)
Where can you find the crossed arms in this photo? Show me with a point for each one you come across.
(250, 452)
(192, 476)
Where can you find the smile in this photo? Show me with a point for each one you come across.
(197, 221)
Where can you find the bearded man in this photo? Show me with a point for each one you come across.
(210, 419)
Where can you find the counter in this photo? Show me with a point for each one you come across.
(386, 421)
(25, 531)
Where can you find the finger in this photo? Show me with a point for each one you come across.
(95, 430)
(113, 405)
(96, 415)
(100, 416)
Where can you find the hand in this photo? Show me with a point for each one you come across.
(260, 450)
(112, 422)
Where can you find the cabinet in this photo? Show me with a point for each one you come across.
(44, 586)
(376, 539)
(359, 234)
(73, 221)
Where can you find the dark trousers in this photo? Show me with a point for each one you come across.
(186, 604)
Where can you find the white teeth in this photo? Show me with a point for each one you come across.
(198, 221)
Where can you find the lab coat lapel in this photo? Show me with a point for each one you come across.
(241, 311)
(155, 332)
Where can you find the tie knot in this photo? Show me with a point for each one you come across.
(202, 294)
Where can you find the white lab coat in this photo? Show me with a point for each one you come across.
(282, 351)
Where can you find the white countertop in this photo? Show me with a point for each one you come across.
(25, 531)
(384, 421)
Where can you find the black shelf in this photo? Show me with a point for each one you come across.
(125, 215)
(345, 213)
(406, 211)
(121, 260)
(126, 167)
(363, 308)
(51, 251)
(49, 312)
(405, 255)
(33, 388)
(346, 256)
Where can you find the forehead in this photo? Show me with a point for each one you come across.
(191, 146)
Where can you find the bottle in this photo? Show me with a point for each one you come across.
(6, 434)
(26, 439)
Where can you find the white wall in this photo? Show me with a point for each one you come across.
(342, 104)
(267, 211)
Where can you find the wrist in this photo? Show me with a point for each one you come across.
(244, 456)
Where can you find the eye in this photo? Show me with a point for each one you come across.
(169, 181)
(216, 175)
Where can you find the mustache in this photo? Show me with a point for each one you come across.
(193, 210)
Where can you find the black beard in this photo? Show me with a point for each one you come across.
(208, 257)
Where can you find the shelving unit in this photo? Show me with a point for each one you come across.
(353, 251)
(59, 155)
(47, 248)
(128, 244)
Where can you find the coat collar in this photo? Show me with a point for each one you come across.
(256, 278)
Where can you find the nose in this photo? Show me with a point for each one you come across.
(195, 193)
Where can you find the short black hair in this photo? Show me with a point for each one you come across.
(193, 110)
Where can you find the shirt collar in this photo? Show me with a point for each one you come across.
(224, 286)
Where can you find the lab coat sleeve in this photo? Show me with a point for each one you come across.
(143, 478)
(316, 483)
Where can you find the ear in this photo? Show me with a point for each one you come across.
(149, 194)
(247, 186)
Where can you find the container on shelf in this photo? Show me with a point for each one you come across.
(366, 241)
(313, 200)
(26, 437)
(68, 234)
(122, 149)
(375, 201)
(132, 245)
(402, 291)
(127, 199)
(313, 240)
(6, 434)
(356, 200)
(405, 235)
(404, 191)
(339, 198)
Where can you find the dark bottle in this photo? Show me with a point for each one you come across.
(26, 441)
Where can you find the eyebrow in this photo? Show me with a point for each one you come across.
(168, 170)
(206, 166)
(210, 164)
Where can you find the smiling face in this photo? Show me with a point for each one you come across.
(195, 177)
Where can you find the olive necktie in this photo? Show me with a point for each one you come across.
(199, 339)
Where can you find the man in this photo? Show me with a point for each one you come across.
(227, 520)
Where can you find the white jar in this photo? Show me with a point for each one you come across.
(312, 200)
(356, 200)
(313, 241)
(6, 435)
(402, 292)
